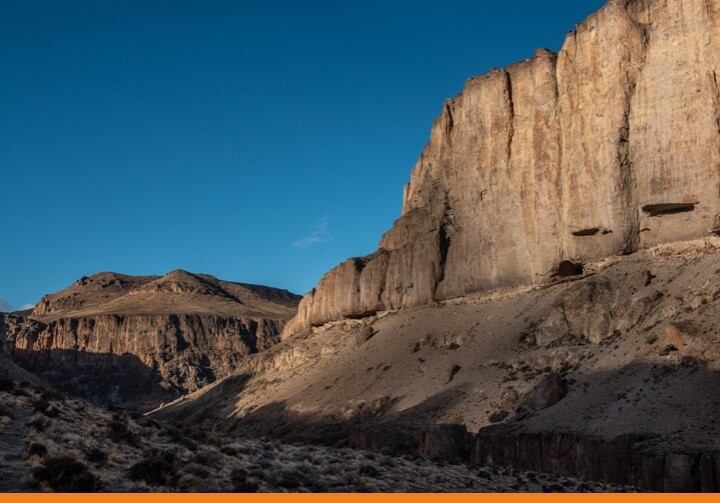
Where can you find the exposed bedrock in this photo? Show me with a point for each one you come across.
(135, 358)
(139, 340)
(627, 460)
(630, 460)
(608, 147)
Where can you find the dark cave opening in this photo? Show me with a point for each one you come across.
(568, 268)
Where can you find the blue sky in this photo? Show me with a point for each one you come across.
(258, 141)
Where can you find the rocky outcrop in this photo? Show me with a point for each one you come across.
(610, 146)
(139, 341)
(628, 460)
(10, 325)
(117, 357)
(595, 311)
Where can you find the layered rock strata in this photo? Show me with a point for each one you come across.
(140, 340)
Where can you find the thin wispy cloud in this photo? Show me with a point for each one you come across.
(320, 233)
(25, 307)
(4, 305)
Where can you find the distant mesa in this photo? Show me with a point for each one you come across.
(136, 341)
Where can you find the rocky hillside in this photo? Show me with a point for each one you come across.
(609, 147)
(130, 340)
(49, 442)
(608, 376)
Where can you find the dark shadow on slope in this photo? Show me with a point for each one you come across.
(101, 378)
(374, 425)
(208, 408)
(649, 425)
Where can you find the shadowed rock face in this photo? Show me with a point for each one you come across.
(141, 340)
(608, 147)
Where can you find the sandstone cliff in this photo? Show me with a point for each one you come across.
(138, 340)
(610, 146)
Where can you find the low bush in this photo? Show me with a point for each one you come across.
(369, 471)
(38, 424)
(36, 449)
(6, 384)
(120, 432)
(40, 405)
(20, 392)
(155, 471)
(65, 474)
(241, 482)
(96, 456)
(52, 395)
(43, 406)
(229, 451)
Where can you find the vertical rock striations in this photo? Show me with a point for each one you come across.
(138, 341)
(610, 146)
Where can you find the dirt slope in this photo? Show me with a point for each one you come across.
(630, 348)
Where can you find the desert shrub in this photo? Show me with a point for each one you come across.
(66, 474)
(388, 462)
(43, 406)
(36, 449)
(96, 456)
(229, 451)
(207, 458)
(155, 471)
(369, 471)
(38, 424)
(52, 412)
(6, 384)
(120, 432)
(197, 435)
(20, 392)
(291, 478)
(52, 395)
(150, 423)
(255, 469)
(241, 483)
(247, 449)
(40, 405)
(178, 437)
(265, 463)
(198, 470)
(189, 483)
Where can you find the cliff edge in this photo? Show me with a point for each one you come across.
(607, 148)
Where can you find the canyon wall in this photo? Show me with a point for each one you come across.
(135, 359)
(610, 146)
(138, 341)
(180, 353)
(629, 460)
